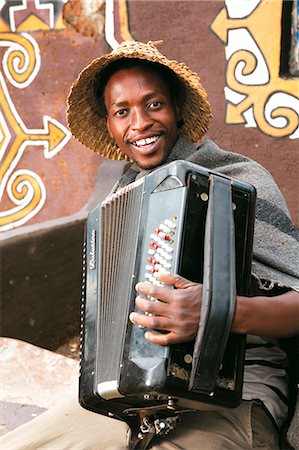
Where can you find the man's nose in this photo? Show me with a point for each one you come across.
(141, 120)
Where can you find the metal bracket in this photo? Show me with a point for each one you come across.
(150, 426)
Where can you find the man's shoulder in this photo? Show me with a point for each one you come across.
(210, 155)
(236, 166)
(212, 151)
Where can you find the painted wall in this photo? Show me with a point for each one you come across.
(234, 45)
(44, 174)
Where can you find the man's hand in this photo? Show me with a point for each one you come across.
(177, 311)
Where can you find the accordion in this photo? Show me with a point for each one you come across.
(194, 222)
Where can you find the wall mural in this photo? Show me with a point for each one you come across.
(255, 93)
(20, 66)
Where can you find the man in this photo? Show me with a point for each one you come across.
(137, 105)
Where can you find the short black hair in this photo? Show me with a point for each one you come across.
(175, 85)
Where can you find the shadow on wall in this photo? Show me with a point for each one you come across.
(42, 270)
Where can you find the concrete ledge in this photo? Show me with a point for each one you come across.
(14, 415)
(32, 380)
(42, 269)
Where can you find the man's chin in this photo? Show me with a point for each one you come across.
(151, 163)
(148, 167)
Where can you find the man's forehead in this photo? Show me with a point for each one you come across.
(137, 72)
(136, 79)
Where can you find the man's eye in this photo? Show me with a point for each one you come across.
(154, 105)
(121, 112)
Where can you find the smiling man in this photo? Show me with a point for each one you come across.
(135, 104)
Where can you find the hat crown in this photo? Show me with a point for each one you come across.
(129, 47)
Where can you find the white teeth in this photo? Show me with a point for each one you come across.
(147, 141)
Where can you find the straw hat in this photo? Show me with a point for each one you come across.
(88, 125)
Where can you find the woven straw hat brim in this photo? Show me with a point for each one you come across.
(83, 113)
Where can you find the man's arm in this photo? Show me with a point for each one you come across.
(276, 316)
(178, 312)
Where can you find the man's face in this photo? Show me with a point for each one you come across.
(141, 116)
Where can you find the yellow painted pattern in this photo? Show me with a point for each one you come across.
(124, 21)
(264, 26)
(3, 25)
(32, 21)
(21, 59)
(24, 188)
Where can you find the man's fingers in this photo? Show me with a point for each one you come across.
(176, 311)
(152, 322)
(161, 338)
(153, 291)
(159, 291)
(152, 306)
(175, 280)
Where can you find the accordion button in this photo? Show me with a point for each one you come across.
(188, 358)
(169, 249)
(152, 261)
(170, 224)
(164, 228)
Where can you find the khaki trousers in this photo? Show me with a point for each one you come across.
(70, 427)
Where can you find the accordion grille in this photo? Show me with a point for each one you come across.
(119, 230)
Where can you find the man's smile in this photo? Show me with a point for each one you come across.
(145, 141)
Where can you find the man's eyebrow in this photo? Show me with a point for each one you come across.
(153, 94)
(145, 97)
(118, 104)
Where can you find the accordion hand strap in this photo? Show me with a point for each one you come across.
(219, 291)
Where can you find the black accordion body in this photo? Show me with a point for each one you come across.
(163, 221)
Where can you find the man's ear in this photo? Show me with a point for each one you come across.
(108, 126)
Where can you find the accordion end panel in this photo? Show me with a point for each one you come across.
(87, 397)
